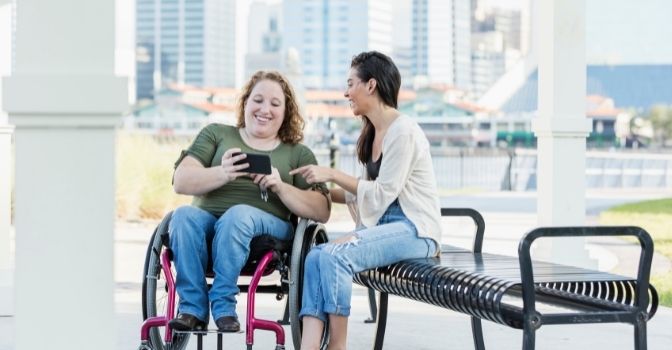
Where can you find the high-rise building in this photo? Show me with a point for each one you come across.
(508, 22)
(184, 41)
(488, 60)
(327, 33)
(402, 53)
(442, 41)
(264, 41)
(263, 26)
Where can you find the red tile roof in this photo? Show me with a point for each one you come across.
(211, 107)
(327, 110)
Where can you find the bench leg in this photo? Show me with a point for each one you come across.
(372, 306)
(477, 332)
(640, 335)
(528, 337)
(382, 322)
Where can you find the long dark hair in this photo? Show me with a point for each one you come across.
(375, 65)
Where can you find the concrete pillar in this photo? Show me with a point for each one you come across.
(6, 130)
(6, 262)
(65, 102)
(562, 126)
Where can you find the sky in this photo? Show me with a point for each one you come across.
(629, 31)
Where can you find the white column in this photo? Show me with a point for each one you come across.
(562, 126)
(6, 263)
(6, 130)
(65, 101)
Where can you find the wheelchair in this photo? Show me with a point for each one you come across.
(267, 255)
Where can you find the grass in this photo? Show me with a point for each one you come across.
(658, 206)
(656, 218)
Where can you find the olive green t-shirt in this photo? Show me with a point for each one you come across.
(209, 147)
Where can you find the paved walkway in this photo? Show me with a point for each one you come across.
(411, 325)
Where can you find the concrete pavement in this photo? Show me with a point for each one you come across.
(411, 325)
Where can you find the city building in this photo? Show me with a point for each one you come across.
(488, 60)
(447, 118)
(264, 40)
(632, 86)
(508, 22)
(184, 42)
(327, 33)
(442, 41)
(402, 45)
(616, 93)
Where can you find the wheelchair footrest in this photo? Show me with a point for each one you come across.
(200, 334)
(208, 331)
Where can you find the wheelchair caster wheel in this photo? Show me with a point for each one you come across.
(145, 347)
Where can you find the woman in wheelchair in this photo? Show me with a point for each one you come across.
(231, 205)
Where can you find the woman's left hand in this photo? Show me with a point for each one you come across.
(272, 181)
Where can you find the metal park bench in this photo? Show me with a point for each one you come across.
(519, 292)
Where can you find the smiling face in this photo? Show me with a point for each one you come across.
(265, 109)
(357, 93)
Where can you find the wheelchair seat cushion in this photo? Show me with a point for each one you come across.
(261, 245)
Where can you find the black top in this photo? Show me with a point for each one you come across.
(372, 168)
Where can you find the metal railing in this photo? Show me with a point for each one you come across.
(516, 169)
(491, 169)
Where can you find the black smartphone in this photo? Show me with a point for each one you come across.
(259, 163)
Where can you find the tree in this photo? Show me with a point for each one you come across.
(661, 120)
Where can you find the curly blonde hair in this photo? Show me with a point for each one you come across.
(291, 130)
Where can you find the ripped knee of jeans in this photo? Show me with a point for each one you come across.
(353, 239)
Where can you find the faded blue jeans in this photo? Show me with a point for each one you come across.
(192, 230)
(327, 284)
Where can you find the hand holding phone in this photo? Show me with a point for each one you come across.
(259, 163)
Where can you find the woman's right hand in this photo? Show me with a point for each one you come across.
(231, 171)
(314, 173)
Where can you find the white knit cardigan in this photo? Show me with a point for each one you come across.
(406, 172)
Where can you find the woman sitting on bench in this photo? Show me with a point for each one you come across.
(394, 203)
(231, 206)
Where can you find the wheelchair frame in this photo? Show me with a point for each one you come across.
(158, 262)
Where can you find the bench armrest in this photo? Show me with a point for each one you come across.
(643, 271)
(478, 221)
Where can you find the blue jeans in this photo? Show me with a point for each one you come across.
(192, 230)
(327, 284)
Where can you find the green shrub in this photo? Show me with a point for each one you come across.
(663, 284)
(144, 172)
